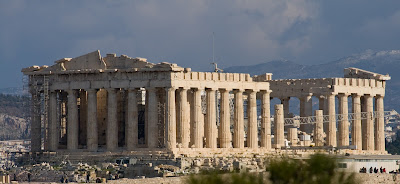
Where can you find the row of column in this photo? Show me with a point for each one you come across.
(367, 132)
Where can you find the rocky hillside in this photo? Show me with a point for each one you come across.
(14, 117)
(383, 62)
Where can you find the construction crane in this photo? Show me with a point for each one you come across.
(216, 69)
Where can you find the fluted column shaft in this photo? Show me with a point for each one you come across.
(112, 124)
(379, 125)
(211, 132)
(152, 117)
(72, 121)
(279, 126)
(171, 118)
(331, 128)
(225, 131)
(368, 141)
(238, 133)
(198, 124)
(356, 137)
(131, 132)
(184, 118)
(266, 120)
(344, 121)
(92, 130)
(53, 138)
(252, 136)
(319, 128)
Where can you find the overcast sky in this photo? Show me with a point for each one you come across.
(180, 31)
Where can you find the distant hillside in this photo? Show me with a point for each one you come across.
(383, 62)
(14, 117)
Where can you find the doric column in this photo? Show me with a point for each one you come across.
(152, 117)
(278, 126)
(53, 134)
(238, 132)
(184, 123)
(292, 136)
(36, 127)
(285, 102)
(72, 121)
(252, 136)
(319, 128)
(356, 138)
(305, 111)
(171, 118)
(224, 126)
(198, 124)
(368, 141)
(131, 131)
(331, 128)
(379, 125)
(343, 121)
(265, 120)
(92, 130)
(112, 125)
(211, 132)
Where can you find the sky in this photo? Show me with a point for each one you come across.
(180, 31)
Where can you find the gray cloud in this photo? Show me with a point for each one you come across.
(246, 32)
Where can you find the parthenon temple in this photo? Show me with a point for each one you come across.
(121, 104)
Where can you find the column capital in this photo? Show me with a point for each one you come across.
(225, 89)
(150, 88)
(132, 89)
(169, 89)
(343, 94)
(91, 90)
(111, 89)
(284, 98)
(184, 88)
(356, 95)
(238, 90)
(251, 90)
(71, 91)
(380, 96)
(303, 95)
(266, 91)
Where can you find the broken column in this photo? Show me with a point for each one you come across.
(292, 136)
(279, 126)
(319, 128)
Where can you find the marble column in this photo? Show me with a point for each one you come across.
(278, 126)
(252, 135)
(112, 125)
(238, 132)
(211, 118)
(171, 118)
(92, 129)
(379, 124)
(356, 137)
(152, 118)
(331, 127)
(72, 121)
(305, 111)
(319, 128)
(368, 141)
(292, 136)
(343, 121)
(131, 132)
(36, 127)
(224, 126)
(53, 121)
(265, 120)
(198, 124)
(184, 118)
